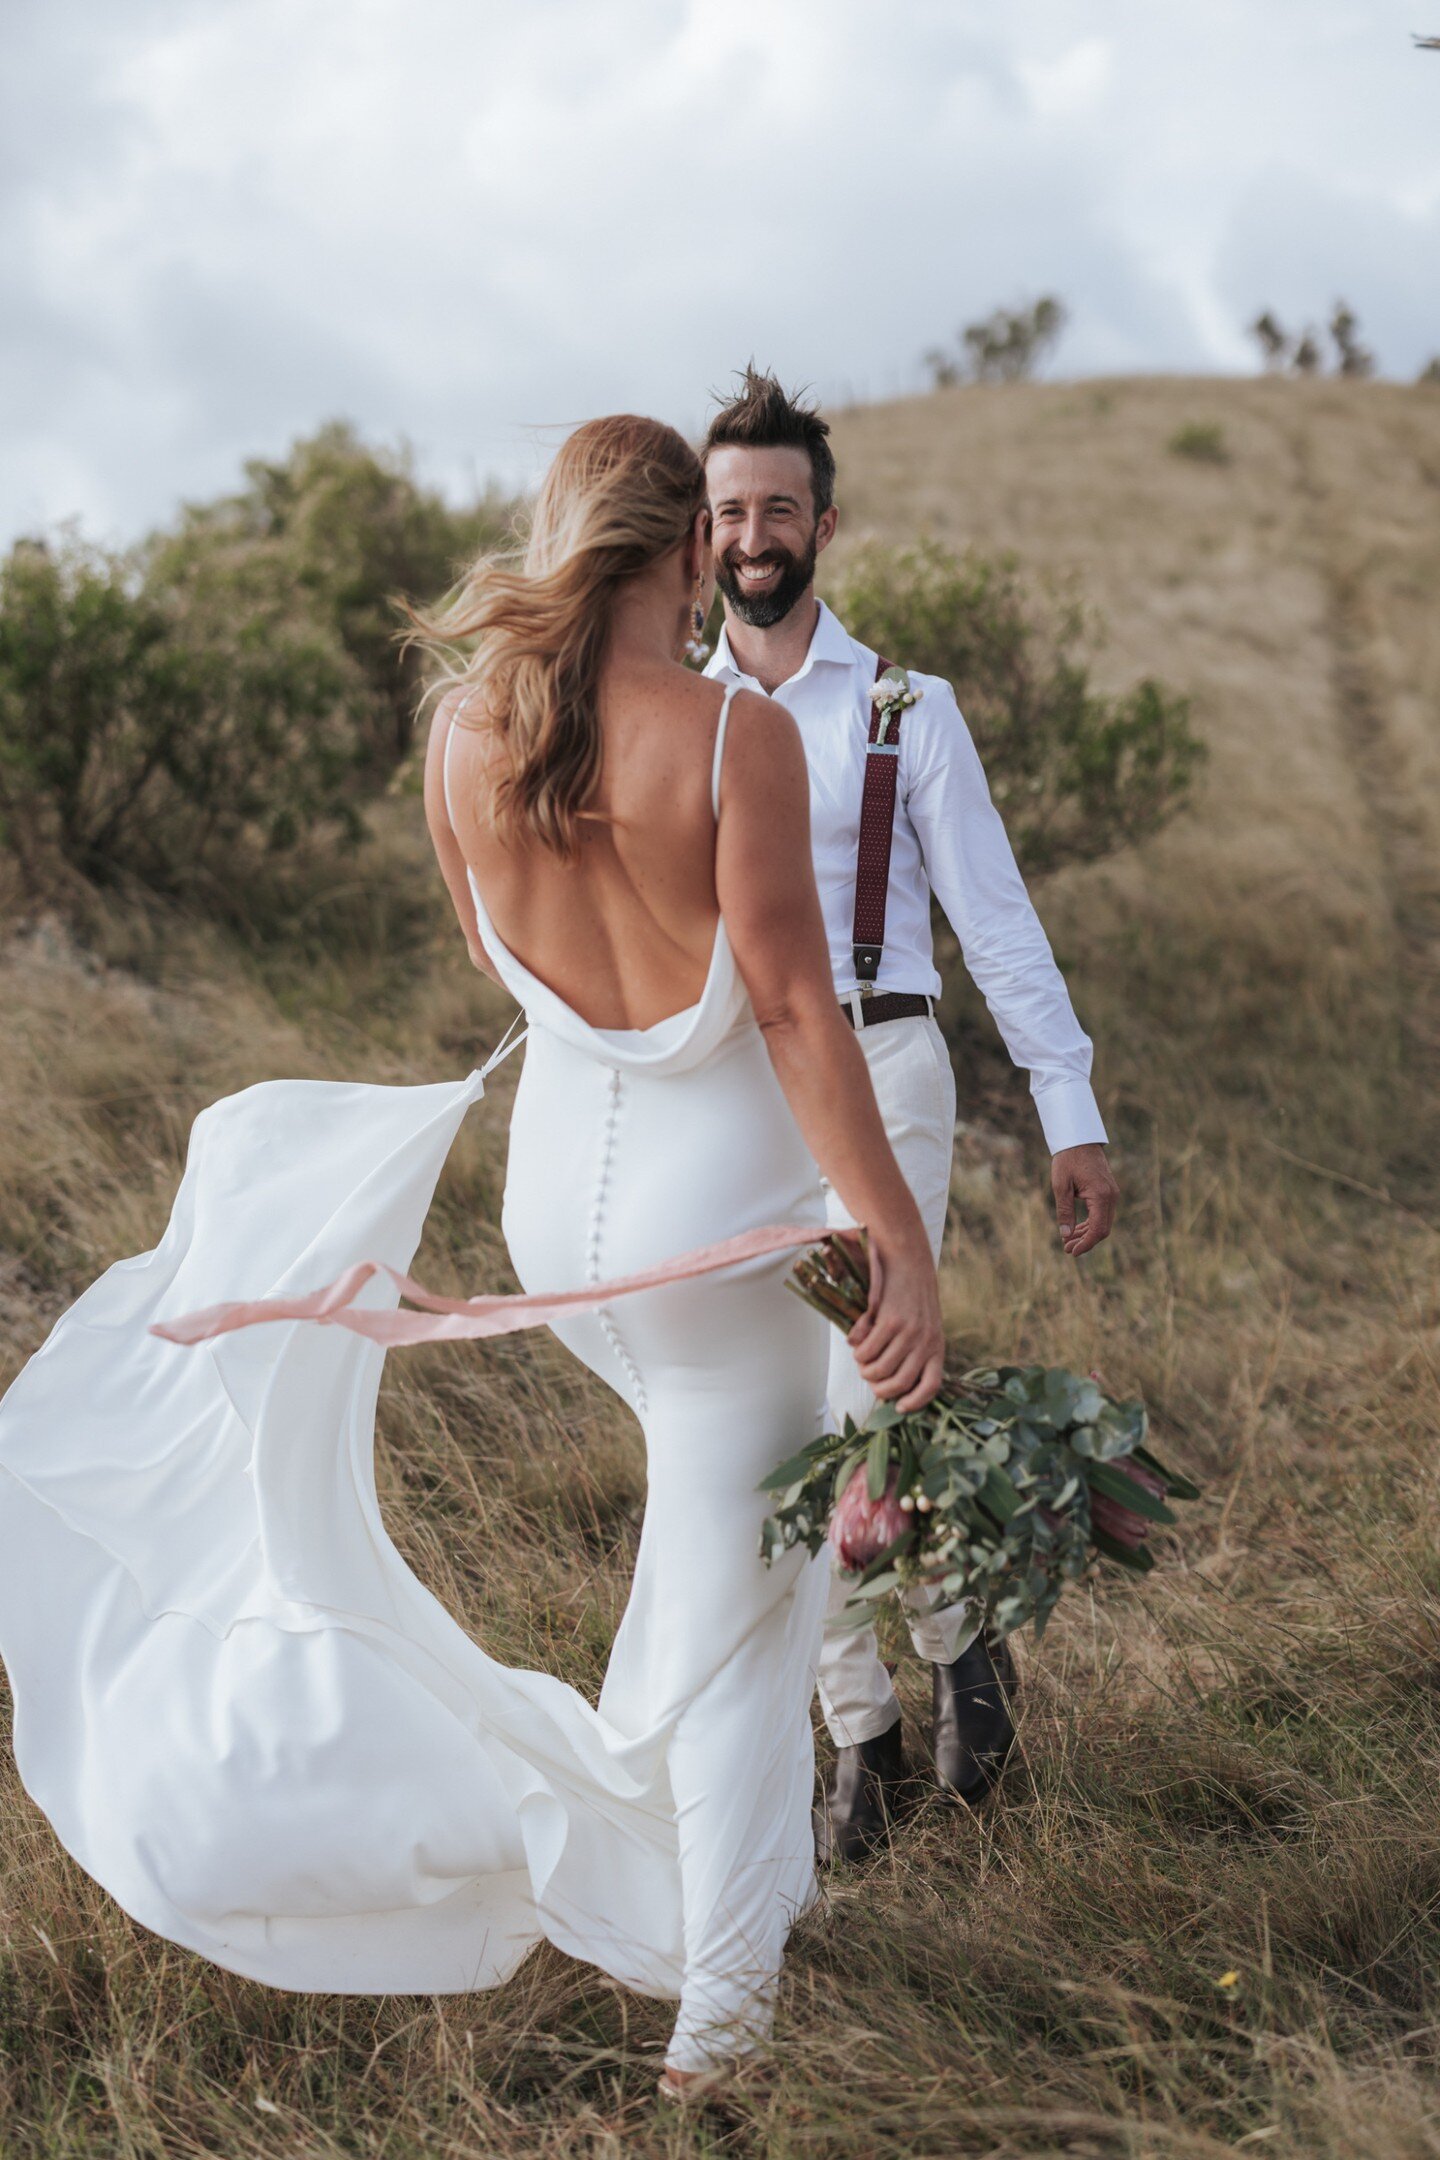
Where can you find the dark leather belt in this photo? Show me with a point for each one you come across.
(888, 1005)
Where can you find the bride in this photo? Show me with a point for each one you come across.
(239, 1709)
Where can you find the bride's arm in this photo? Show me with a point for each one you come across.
(766, 887)
(447, 847)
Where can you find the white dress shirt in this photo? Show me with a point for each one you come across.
(949, 840)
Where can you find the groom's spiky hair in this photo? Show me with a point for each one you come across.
(765, 417)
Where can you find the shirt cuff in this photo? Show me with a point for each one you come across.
(1070, 1116)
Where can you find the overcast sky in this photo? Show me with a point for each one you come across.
(471, 223)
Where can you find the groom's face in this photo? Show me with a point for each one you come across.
(766, 533)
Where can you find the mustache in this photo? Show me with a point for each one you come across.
(735, 558)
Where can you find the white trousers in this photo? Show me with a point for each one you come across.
(915, 1088)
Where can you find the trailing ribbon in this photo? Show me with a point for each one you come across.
(462, 1319)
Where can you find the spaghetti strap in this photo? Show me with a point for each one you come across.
(445, 770)
(720, 749)
(454, 722)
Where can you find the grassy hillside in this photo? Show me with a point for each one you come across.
(1205, 1916)
(1293, 589)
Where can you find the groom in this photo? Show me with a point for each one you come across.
(884, 841)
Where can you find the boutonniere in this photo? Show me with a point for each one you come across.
(890, 694)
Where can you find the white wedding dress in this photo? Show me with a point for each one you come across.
(241, 1711)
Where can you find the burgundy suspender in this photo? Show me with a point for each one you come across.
(877, 826)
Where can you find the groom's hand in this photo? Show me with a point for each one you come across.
(1086, 1196)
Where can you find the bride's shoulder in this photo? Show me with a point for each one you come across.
(764, 748)
(461, 711)
(765, 717)
(459, 702)
(457, 712)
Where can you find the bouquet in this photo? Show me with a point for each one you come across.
(1001, 1490)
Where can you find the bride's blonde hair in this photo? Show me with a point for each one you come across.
(525, 639)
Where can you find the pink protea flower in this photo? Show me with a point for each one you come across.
(861, 1528)
(1118, 1521)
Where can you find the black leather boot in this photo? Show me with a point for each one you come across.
(974, 1730)
(869, 1792)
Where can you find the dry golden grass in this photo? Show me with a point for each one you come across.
(1231, 1770)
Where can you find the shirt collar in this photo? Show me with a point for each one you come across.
(831, 642)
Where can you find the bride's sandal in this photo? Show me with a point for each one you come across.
(694, 2086)
(703, 2088)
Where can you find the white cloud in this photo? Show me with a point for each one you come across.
(1070, 83)
(465, 221)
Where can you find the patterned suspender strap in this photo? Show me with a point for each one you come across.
(877, 827)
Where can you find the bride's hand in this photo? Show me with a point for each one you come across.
(898, 1343)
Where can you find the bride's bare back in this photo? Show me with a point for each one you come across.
(625, 933)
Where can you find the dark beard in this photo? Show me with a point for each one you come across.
(763, 610)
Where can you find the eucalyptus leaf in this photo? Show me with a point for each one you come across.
(1089, 1402)
(1106, 1441)
(846, 1468)
(796, 1469)
(1062, 1395)
(999, 1496)
(877, 1586)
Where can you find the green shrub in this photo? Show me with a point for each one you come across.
(1202, 440)
(1076, 773)
(140, 737)
(235, 685)
(346, 531)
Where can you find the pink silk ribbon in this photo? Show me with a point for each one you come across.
(460, 1319)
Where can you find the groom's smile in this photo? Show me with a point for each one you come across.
(762, 589)
(755, 576)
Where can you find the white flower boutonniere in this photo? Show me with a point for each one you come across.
(890, 695)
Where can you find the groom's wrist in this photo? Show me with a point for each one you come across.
(1070, 1116)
